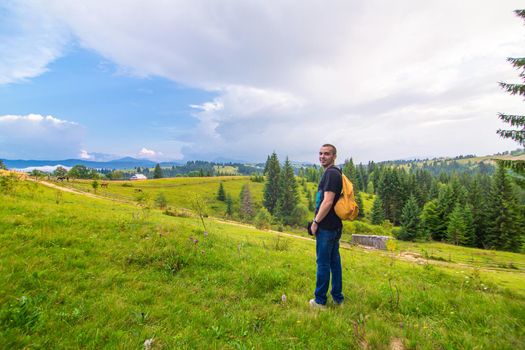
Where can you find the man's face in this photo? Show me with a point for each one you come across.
(326, 156)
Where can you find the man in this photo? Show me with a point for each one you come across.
(327, 228)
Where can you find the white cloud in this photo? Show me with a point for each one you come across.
(35, 136)
(32, 40)
(148, 153)
(379, 79)
(85, 155)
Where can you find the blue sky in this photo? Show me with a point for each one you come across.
(204, 79)
(119, 114)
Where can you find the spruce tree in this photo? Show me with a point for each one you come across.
(267, 165)
(157, 173)
(392, 194)
(515, 121)
(229, 206)
(370, 187)
(431, 221)
(456, 226)
(477, 198)
(470, 232)
(377, 216)
(350, 171)
(288, 196)
(504, 221)
(410, 221)
(445, 205)
(221, 194)
(271, 188)
(246, 211)
(359, 201)
(311, 201)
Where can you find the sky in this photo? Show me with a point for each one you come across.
(186, 80)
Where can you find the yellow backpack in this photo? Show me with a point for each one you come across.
(346, 207)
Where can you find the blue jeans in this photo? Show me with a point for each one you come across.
(328, 261)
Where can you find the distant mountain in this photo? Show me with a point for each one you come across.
(122, 163)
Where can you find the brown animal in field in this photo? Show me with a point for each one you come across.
(138, 190)
(105, 185)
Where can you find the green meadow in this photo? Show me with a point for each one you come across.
(94, 273)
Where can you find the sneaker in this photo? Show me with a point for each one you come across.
(339, 304)
(315, 305)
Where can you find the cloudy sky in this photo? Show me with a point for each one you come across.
(200, 79)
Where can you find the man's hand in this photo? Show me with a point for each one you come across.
(314, 228)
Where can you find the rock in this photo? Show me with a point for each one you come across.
(378, 242)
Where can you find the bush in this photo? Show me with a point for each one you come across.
(263, 219)
(299, 215)
(161, 201)
(8, 184)
(177, 212)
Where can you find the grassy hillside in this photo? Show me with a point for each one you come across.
(78, 272)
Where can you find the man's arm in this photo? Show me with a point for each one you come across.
(324, 208)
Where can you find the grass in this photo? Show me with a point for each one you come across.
(78, 272)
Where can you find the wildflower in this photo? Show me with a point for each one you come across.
(283, 298)
(203, 252)
(148, 343)
(205, 233)
(195, 241)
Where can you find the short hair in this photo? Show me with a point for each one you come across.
(332, 146)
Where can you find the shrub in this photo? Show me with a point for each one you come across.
(299, 215)
(177, 212)
(263, 219)
(8, 184)
(161, 201)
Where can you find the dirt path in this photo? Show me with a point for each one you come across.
(75, 191)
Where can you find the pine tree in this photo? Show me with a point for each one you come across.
(246, 211)
(271, 188)
(434, 190)
(359, 201)
(445, 205)
(288, 196)
(410, 221)
(504, 221)
(470, 232)
(267, 165)
(377, 216)
(229, 206)
(350, 171)
(431, 222)
(515, 89)
(157, 173)
(477, 197)
(370, 187)
(392, 194)
(456, 226)
(221, 194)
(311, 201)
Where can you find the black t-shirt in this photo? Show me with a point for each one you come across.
(331, 181)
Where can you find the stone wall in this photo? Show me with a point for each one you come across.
(378, 242)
